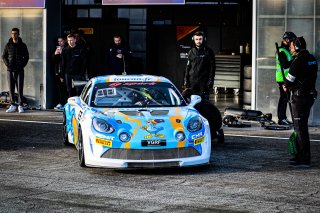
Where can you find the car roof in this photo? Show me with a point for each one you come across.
(130, 78)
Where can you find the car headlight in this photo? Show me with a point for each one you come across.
(180, 136)
(101, 125)
(194, 124)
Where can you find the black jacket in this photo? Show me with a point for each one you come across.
(116, 65)
(302, 73)
(74, 61)
(57, 62)
(201, 66)
(15, 55)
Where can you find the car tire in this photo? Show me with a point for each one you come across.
(82, 162)
(65, 133)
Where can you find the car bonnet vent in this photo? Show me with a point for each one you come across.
(152, 112)
(159, 112)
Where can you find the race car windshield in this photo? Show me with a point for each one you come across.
(136, 94)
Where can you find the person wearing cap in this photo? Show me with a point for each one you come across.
(284, 60)
(300, 82)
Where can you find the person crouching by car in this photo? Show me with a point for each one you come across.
(210, 112)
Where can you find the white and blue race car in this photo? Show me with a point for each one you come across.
(136, 121)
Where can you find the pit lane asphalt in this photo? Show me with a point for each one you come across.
(248, 173)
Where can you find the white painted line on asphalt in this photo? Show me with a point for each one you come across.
(23, 121)
(261, 136)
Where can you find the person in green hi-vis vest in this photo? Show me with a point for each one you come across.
(286, 58)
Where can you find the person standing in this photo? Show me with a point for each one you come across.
(283, 60)
(15, 56)
(201, 67)
(80, 39)
(59, 78)
(118, 57)
(74, 64)
(301, 81)
(84, 44)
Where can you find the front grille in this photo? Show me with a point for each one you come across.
(150, 154)
(153, 165)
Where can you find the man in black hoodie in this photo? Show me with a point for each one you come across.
(201, 67)
(15, 56)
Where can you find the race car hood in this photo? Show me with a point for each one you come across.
(152, 124)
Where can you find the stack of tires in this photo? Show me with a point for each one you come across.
(247, 85)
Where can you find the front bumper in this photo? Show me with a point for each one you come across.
(151, 158)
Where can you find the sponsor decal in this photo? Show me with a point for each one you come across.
(198, 141)
(198, 135)
(133, 79)
(104, 142)
(153, 142)
(153, 128)
(117, 84)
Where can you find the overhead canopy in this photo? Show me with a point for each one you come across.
(141, 2)
(22, 4)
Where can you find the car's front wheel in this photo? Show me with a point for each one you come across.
(82, 162)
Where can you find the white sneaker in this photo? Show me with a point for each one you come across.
(12, 108)
(20, 109)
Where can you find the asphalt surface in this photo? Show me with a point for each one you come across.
(248, 173)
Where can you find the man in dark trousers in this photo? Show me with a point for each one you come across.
(201, 67)
(301, 82)
(283, 60)
(118, 57)
(15, 56)
(74, 64)
(59, 77)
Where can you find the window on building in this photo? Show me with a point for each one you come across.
(137, 30)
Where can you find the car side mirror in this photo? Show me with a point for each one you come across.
(74, 100)
(195, 99)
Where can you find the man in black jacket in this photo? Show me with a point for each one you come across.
(15, 56)
(301, 82)
(74, 64)
(118, 57)
(59, 77)
(201, 67)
